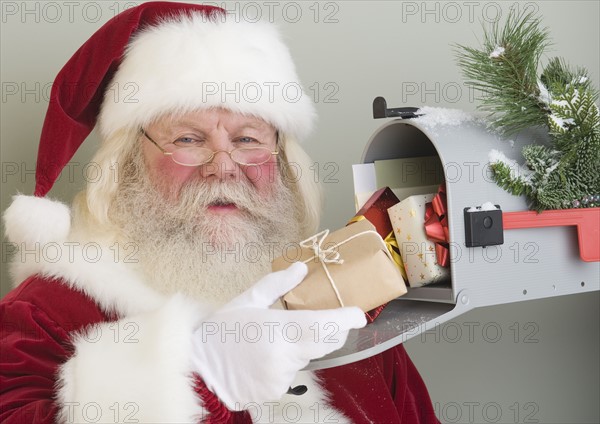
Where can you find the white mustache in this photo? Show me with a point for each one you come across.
(202, 194)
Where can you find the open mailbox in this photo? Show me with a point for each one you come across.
(554, 253)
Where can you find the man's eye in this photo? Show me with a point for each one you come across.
(187, 141)
(246, 140)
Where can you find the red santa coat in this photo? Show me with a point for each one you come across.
(87, 341)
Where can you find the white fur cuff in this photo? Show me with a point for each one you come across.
(137, 367)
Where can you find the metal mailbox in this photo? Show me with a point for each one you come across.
(554, 253)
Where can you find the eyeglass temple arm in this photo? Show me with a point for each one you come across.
(155, 143)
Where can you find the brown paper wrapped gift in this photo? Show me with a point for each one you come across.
(349, 267)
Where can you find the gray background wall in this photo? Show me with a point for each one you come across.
(535, 361)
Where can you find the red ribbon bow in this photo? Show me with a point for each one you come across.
(436, 225)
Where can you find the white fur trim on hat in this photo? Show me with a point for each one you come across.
(189, 63)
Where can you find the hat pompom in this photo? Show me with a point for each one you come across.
(31, 220)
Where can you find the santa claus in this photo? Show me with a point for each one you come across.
(153, 300)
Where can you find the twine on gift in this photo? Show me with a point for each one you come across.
(331, 255)
(324, 256)
(392, 246)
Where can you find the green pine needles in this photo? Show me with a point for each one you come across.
(565, 173)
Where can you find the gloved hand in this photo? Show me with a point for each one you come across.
(246, 352)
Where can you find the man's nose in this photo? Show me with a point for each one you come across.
(221, 166)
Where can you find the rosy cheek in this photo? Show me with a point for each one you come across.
(164, 169)
(262, 176)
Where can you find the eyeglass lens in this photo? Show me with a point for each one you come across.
(243, 155)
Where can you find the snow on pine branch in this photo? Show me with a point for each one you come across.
(516, 171)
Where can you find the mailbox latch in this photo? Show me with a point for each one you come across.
(483, 226)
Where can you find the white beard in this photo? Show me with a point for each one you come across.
(184, 248)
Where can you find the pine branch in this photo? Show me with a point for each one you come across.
(567, 172)
(505, 179)
(504, 70)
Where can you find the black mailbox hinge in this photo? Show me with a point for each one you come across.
(380, 110)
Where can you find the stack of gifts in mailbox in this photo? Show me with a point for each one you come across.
(417, 216)
(362, 264)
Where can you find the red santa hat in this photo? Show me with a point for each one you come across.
(166, 57)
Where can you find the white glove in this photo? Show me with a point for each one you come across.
(246, 352)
